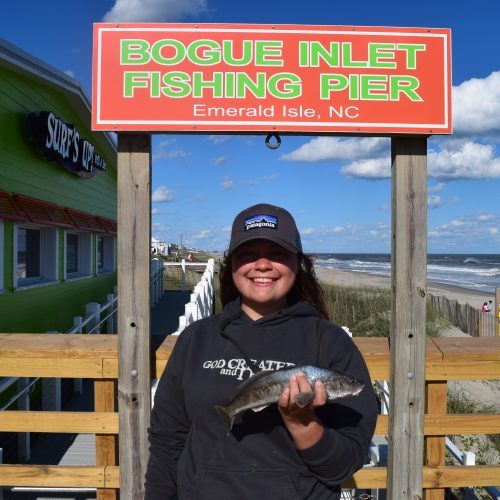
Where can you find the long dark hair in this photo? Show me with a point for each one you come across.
(306, 286)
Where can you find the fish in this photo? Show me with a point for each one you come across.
(264, 388)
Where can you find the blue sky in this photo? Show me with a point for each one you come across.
(338, 189)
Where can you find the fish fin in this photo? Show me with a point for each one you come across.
(259, 408)
(224, 415)
(304, 398)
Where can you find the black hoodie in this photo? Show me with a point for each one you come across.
(193, 456)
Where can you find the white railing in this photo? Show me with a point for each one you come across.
(93, 320)
(157, 286)
(96, 315)
(202, 299)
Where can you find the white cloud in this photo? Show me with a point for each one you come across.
(434, 201)
(335, 148)
(456, 160)
(456, 234)
(465, 160)
(259, 180)
(169, 155)
(219, 160)
(141, 11)
(228, 184)
(375, 168)
(321, 230)
(218, 139)
(476, 112)
(437, 188)
(476, 105)
(163, 194)
(205, 233)
(70, 73)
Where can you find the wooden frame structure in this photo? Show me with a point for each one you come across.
(409, 268)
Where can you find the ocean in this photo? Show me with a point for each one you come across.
(479, 272)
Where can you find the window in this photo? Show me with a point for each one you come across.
(1, 255)
(77, 255)
(35, 255)
(105, 254)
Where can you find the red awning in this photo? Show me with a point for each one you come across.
(42, 212)
(86, 221)
(8, 209)
(23, 208)
(110, 225)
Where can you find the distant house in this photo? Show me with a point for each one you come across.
(159, 248)
(57, 198)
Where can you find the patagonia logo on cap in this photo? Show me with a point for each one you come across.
(260, 221)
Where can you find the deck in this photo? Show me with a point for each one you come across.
(79, 449)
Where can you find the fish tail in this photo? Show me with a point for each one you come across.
(304, 398)
(224, 415)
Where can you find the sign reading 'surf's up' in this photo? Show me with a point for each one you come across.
(264, 78)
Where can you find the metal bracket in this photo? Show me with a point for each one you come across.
(270, 145)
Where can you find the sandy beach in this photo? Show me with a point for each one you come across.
(482, 391)
(350, 278)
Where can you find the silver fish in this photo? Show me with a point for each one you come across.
(265, 388)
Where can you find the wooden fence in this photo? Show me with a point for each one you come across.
(469, 319)
(96, 357)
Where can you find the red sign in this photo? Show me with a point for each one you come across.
(264, 78)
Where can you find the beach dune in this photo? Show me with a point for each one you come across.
(360, 279)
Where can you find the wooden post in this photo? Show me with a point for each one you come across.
(497, 310)
(105, 445)
(435, 447)
(134, 309)
(408, 316)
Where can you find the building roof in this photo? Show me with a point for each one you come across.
(23, 63)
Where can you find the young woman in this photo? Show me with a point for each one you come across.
(274, 316)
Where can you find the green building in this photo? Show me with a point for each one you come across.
(57, 198)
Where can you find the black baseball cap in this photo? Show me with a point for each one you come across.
(267, 222)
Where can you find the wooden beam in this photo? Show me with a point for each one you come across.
(496, 311)
(435, 447)
(71, 422)
(134, 309)
(105, 445)
(408, 316)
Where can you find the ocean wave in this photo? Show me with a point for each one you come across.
(472, 260)
(491, 271)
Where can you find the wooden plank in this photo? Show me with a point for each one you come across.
(469, 349)
(112, 476)
(134, 309)
(44, 367)
(435, 447)
(47, 476)
(163, 353)
(432, 477)
(47, 345)
(408, 315)
(455, 476)
(446, 424)
(368, 477)
(496, 311)
(59, 422)
(463, 370)
(442, 425)
(110, 368)
(105, 445)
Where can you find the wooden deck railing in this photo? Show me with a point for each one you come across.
(96, 357)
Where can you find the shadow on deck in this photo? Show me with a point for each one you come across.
(165, 316)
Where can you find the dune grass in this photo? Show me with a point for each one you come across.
(366, 311)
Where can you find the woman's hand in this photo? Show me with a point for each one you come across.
(302, 424)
